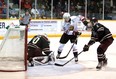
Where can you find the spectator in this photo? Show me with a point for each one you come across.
(25, 20)
(41, 12)
(16, 2)
(13, 13)
(34, 12)
(4, 10)
(27, 6)
(0, 3)
(0, 13)
(93, 9)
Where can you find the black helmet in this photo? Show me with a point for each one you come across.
(93, 19)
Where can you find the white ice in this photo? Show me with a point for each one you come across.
(86, 65)
(85, 69)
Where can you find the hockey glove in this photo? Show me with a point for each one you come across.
(76, 33)
(82, 18)
(86, 48)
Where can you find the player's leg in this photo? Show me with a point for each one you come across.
(33, 52)
(64, 39)
(101, 57)
(30, 56)
(102, 60)
(75, 52)
(60, 49)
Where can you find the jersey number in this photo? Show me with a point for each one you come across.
(35, 40)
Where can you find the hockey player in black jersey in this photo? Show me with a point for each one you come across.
(102, 35)
(39, 50)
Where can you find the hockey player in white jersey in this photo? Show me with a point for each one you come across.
(71, 31)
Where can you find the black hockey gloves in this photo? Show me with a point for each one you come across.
(85, 48)
(77, 33)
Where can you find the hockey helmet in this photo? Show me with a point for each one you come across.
(93, 19)
(66, 16)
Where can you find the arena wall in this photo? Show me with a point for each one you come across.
(52, 27)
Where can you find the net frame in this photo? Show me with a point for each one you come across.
(25, 49)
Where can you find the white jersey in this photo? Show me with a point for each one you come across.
(75, 24)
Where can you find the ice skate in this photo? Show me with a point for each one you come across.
(76, 60)
(30, 64)
(75, 56)
(105, 62)
(57, 56)
(51, 59)
(99, 66)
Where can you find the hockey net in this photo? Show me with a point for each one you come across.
(13, 50)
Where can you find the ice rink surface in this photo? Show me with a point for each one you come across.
(85, 69)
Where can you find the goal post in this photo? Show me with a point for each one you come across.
(13, 50)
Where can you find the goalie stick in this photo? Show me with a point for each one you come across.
(69, 50)
(67, 61)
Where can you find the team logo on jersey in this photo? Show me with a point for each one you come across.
(71, 28)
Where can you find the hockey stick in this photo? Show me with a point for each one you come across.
(69, 50)
(67, 61)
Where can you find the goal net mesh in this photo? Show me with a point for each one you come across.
(13, 50)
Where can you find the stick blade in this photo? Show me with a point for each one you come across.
(62, 57)
(58, 64)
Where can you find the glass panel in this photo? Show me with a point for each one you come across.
(26, 5)
(13, 9)
(41, 9)
(94, 8)
(113, 5)
(59, 6)
(107, 10)
(77, 7)
(3, 9)
(102, 9)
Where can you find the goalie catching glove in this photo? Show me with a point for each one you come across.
(85, 48)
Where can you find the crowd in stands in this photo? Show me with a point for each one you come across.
(3, 8)
(42, 9)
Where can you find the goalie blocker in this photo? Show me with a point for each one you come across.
(39, 51)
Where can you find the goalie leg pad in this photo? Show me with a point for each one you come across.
(44, 60)
(40, 60)
(51, 58)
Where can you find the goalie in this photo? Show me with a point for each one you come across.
(39, 51)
